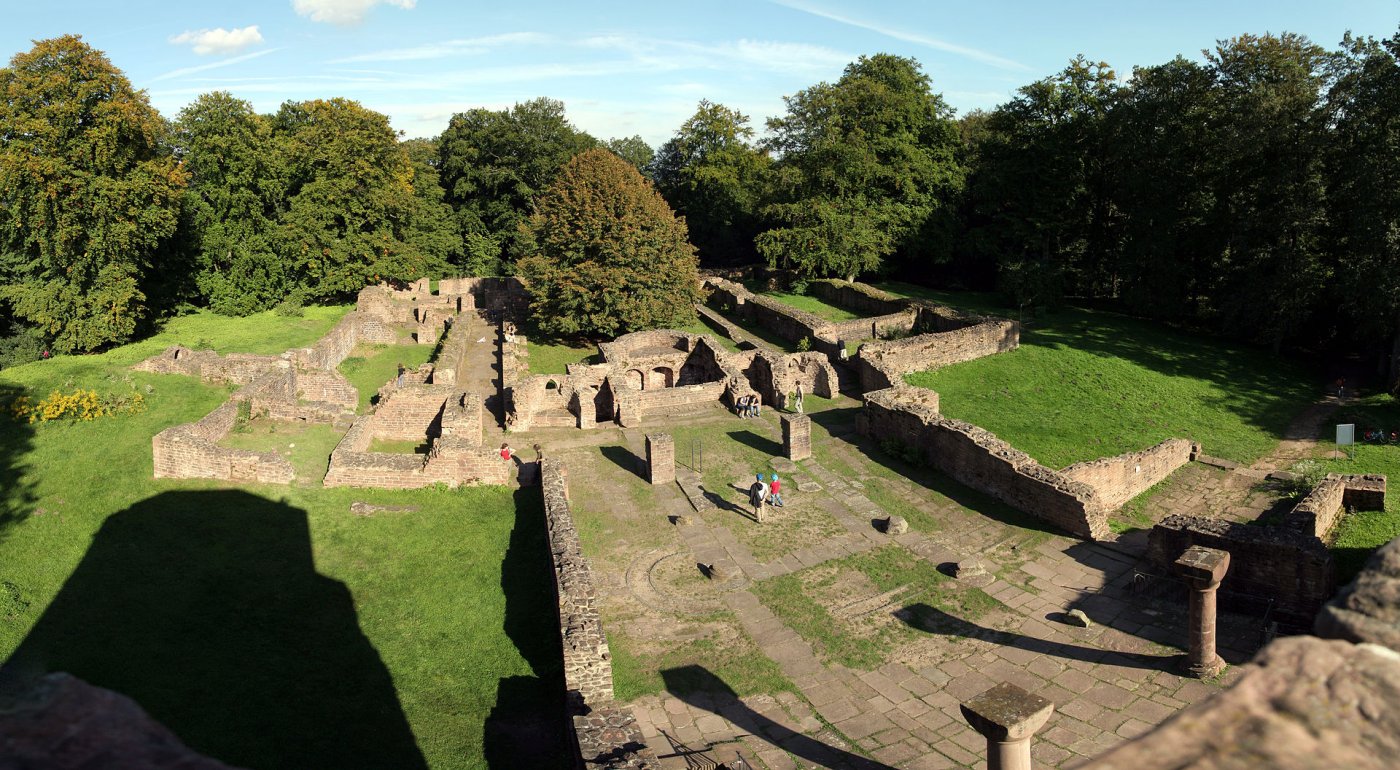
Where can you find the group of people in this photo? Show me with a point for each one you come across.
(1379, 436)
(749, 406)
(763, 493)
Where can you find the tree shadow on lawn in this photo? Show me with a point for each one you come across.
(526, 726)
(16, 441)
(207, 609)
(702, 688)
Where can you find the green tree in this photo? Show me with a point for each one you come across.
(352, 214)
(494, 163)
(611, 257)
(711, 174)
(88, 192)
(1362, 166)
(1041, 194)
(433, 229)
(634, 150)
(1270, 200)
(867, 168)
(232, 204)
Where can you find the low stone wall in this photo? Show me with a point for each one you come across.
(884, 364)
(1119, 479)
(857, 297)
(1320, 511)
(208, 366)
(327, 386)
(191, 451)
(1280, 563)
(410, 412)
(872, 328)
(668, 400)
(605, 730)
(978, 459)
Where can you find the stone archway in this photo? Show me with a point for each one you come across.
(661, 377)
(633, 378)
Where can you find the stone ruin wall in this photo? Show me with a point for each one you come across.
(1279, 563)
(1076, 499)
(1289, 562)
(410, 412)
(1119, 479)
(858, 297)
(884, 364)
(605, 731)
(210, 367)
(192, 451)
(980, 460)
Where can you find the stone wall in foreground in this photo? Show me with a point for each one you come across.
(1119, 479)
(606, 731)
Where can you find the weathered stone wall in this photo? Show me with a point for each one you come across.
(1367, 610)
(410, 412)
(857, 297)
(884, 364)
(670, 400)
(797, 436)
(208, 366)
(1280, 563)
(871, 328)
(328, 386)
(356, 327)
(602, 727)
(191, 451)
(1119, 479)
(980, 460)
(1323, 507)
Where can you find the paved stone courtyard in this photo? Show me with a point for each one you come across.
(1110, 682)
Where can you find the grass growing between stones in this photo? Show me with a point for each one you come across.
(1087, 384)
(268, 626)
(370, 367)
(724, 650)
(760, 332)
(1360, 533)
(846, 609)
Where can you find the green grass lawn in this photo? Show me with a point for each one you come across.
(369, 367)
(268, 626)
(307, 445)
(865, 643)
(1087, 384)
(814, 305)
(1361, 532)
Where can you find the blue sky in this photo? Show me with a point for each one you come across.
(624, 67)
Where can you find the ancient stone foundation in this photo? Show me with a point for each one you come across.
(606, 732)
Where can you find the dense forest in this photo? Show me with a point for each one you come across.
(1255, 193)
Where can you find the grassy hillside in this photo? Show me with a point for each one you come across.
(1086, 384)
(268, 626)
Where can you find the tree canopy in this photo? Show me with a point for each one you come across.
(867, 169)
(610, 256)
(88, 192)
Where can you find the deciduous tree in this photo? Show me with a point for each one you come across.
(611, 257)
(88, 191)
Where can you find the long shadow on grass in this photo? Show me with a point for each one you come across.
(762, 443)
(526, 726)
(701, 688)
(930, 619)
(624, 459)
(937, 482)
(207, 609)
(16, 493)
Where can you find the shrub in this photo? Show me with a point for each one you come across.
(290, 307)
(80, 404)
(1306, 475)
(798, 286)
(804, 345)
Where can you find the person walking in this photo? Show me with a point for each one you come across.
(758, 495)
(775, 491)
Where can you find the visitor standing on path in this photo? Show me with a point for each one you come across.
(758, 493)
(799, 398)
(399, 381)
(775, 491)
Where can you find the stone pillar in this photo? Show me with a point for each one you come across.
(1203, 568)
(1007, 717)
(797, 436)
(661, 458)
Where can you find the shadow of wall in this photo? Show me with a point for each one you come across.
(206, 608)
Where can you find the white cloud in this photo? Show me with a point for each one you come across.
(343, 11)
(220, 41)
(448, 48)
(908, 37)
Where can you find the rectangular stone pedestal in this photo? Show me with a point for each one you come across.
(797, 436)
(661, 458)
